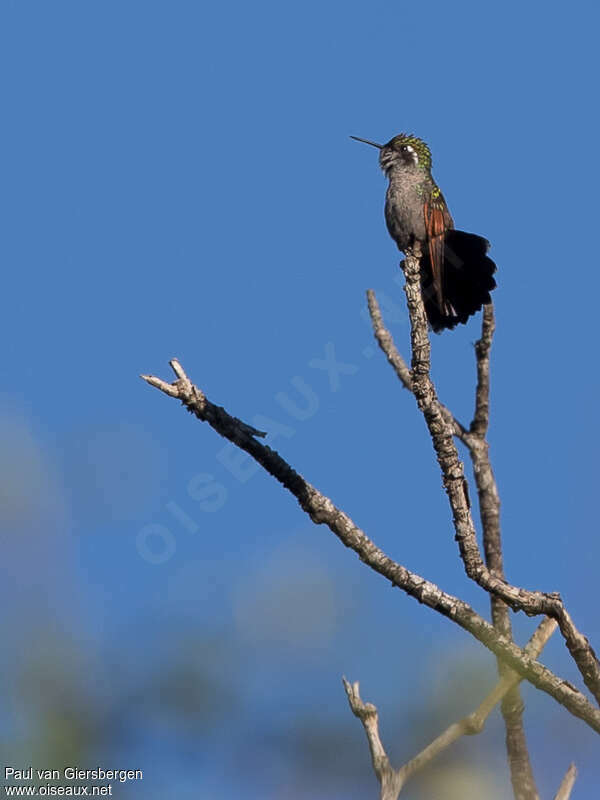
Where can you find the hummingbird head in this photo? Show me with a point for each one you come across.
(404, 151)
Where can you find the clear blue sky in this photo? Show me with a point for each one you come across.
(177, 180)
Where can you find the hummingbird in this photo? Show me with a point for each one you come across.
(456, 272)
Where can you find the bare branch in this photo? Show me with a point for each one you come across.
(521, 771)
(566, 786)
(391, 780)
(474, 722)
(386, 343)
(532, 603)
(481, 420)
(489, 505)
(168, 388)
(322, 511)
(204, 409)
(510, 679)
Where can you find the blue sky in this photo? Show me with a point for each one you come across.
(178, 181)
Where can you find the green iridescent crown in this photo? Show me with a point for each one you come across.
(408, 140)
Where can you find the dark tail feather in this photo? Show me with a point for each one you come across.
(467, 280)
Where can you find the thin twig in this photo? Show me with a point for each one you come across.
(392, 780)
(521, 770)
(566, 786)
(322, 511)
(386, 343)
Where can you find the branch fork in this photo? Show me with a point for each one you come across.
(391, 781)
(514, 663)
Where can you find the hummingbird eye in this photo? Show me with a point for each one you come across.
(409, 152)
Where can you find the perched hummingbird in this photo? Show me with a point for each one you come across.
(456, 273)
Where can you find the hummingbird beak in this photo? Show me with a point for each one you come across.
(366, 141)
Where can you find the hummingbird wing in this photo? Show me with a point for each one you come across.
(437, 222)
